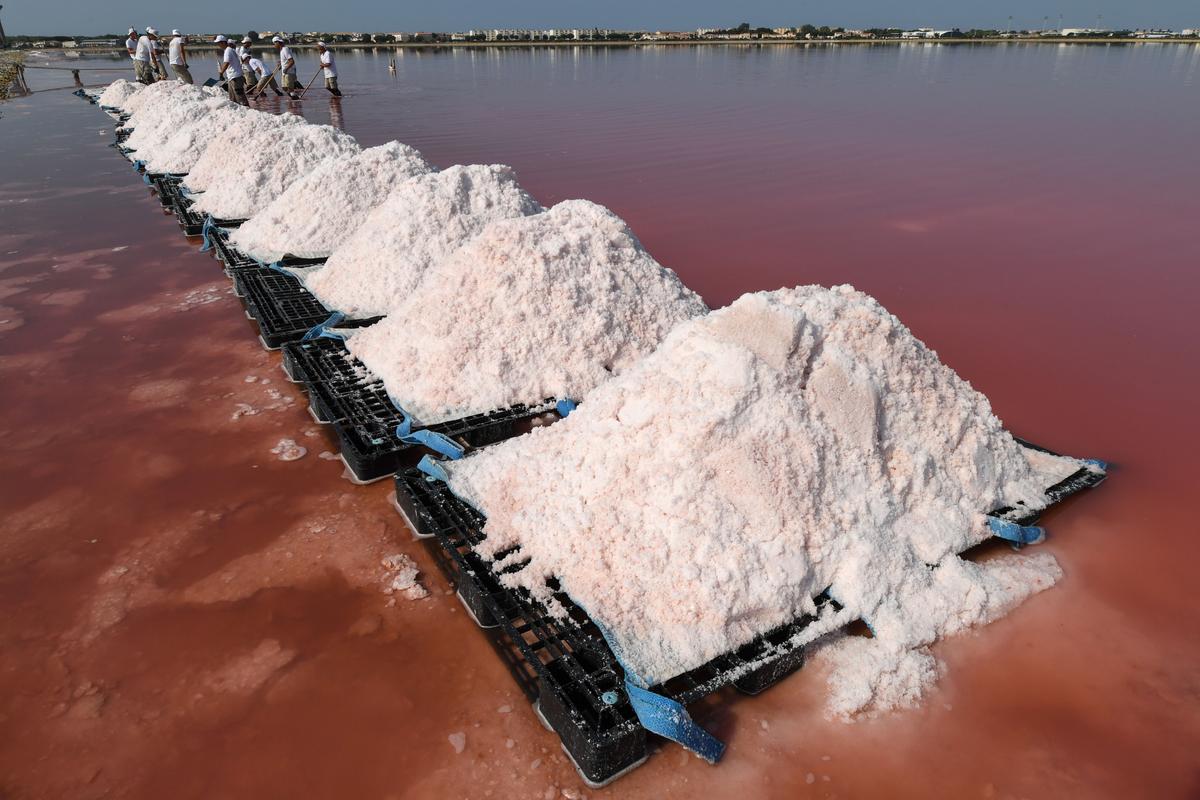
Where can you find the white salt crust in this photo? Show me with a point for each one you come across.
(794, 441)
(323, 208)
(422, 222)
(548, 305)
(118, 93)
(245, 169)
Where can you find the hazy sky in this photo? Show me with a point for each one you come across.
(109, 16)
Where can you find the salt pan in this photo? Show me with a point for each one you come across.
(793, 442)
(548, 305)
(118, 93)
(422, 222)
(320, 210)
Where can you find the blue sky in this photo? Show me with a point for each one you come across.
(100, 16)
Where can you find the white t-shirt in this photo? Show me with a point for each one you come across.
(285, 55)
(231, 65)
(258, 66)
(145, 49)
(131, 44)
(327, 63)
(175, 51)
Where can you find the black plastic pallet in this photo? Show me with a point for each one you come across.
(192, 221)
(235, 260)
(166, 186)
(344, 393)
(284, 309)
(565, 665)
(1077, 481)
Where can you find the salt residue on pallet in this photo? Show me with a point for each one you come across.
(320, 210)
(422, 222)
(548, 305)
(118, 93)
(792, 442)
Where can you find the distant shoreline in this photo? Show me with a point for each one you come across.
(195, 43)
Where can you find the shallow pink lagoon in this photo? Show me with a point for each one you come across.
(185, 615)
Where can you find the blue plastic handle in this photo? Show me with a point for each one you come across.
(1019, 535)
(322, 330)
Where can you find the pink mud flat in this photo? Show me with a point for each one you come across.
(186, 615)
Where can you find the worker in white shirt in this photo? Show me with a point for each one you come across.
(131, 44)
(244, 47)
(330, 67)
(231, 71)
(287, 67)
(257, 73)
(177, 55)
(142, 56)
(156, 55)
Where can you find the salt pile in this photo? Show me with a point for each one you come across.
(548, 305)
(152, 94)
(153, 125)
(794, 441)
(260, 161)
(422, 222)
(321, 209)
(118, 93)
(181, 148)
(257, 132)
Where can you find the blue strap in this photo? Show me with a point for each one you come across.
(1017, 534)
(146, 178)
(205, 230)
(138, 165)
(662, 715)
(322, 330)
(433, 469)
(669, 719)
(437, 442)
(278, 267)
(564, 407)
(1097, 463)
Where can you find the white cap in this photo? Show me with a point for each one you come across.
(220, 38)
(151, 31)
(276, 40)
(175, 32)
(133, 30)
(247, 40)
(320, 44)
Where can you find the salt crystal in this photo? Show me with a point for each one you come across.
(288, 450)
(548, 305)
(803, 437)
(320, 210)
(504, 709)
(458, 741)
(422, 222)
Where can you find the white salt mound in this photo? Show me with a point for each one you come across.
(182, 147)
(155, 124)
(548, 305)
(321, 209)
(792, 442)
(260, 165)
(153, 94)
(118, 93)
(255, 132)
(422, 222)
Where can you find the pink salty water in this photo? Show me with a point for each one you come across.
(187, 616)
